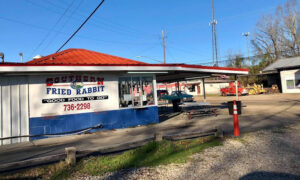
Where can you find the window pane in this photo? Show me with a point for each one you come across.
(136, 89)
(298, 83)
(125, 89)
(290, 84)
(148, 97)
(182, 92)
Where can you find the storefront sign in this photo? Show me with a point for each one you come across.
(67, 94)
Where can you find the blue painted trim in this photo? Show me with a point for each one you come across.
(115, 119)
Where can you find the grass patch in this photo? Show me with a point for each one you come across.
(151, 154)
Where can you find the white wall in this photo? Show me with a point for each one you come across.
(210, 88)
(14, 119)
(38, 91)
(214, 88)
(293, 75)
(24, 97)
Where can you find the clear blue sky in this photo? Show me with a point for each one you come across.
(129, 28)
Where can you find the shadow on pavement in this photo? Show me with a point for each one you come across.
(269, 175)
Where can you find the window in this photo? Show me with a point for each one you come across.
(298, 83)
(182, 92)
(191, 88)
(148, 96)
(125, 91)
(290, 84)
(136, 91)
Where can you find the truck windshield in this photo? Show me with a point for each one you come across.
(182, 92)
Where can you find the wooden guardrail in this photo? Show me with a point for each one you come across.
(104, 150)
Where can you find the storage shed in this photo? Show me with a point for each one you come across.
(76, 89)
(286, 71)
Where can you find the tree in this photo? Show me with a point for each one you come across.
(278, 35)
(235, 60)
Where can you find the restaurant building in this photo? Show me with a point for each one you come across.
(76, 89)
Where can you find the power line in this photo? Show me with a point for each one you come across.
(154, 45)
(107, 26)
(54, 5)
(64, 33)
(249, 57)
(50, 31)
(81, 26)
(76, 8)
(67, 34)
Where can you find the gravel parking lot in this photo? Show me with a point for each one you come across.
(265, 154)
(265, 150)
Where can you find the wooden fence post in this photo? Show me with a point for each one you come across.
(70, 155)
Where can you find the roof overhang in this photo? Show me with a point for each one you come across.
(146, 67)
(165, 72)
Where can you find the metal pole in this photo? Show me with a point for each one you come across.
(246, 35)
(163, 41)
(248, 51)
(236, 88)
(204, 93)
(214, 35)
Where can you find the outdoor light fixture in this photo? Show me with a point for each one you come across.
(2, 56)
(21, 55)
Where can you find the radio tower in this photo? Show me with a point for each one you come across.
(213, 24)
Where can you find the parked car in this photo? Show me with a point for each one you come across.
(231, 90)
(161, 93)
(179, 96)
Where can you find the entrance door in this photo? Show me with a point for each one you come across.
(198, 90)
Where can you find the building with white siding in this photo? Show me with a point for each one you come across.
(77, 89)
(287, 72)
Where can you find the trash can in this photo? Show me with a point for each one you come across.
(176, 105)
(230, 107)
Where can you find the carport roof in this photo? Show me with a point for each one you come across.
(79, 60)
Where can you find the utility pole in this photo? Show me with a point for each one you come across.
(163, 41)
(246, 35)
(213, 24)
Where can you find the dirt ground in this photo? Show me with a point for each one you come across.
(265, 154)
(267, 151)
(260, 112)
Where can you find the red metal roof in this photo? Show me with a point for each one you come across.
(83, 56)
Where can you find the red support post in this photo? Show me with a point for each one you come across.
(236, 127)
